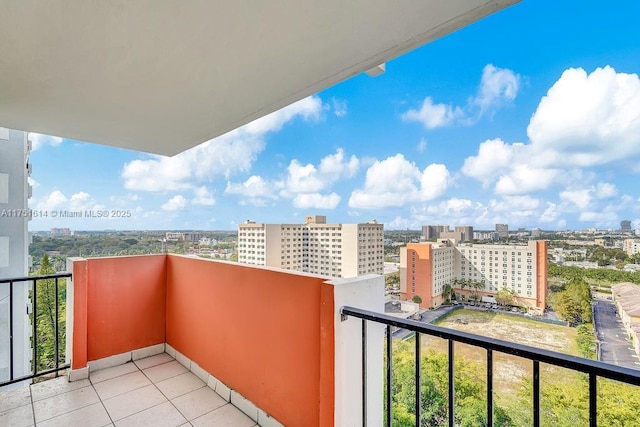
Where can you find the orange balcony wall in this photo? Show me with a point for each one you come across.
(119, 305)
(265, 333)
(258, 330)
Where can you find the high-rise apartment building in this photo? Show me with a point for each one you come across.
(426, 268)
(625, 225)
(430, 232)
(14, 249)
(502, 230)
(338, 250)
(462, 233)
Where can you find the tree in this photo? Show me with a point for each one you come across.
(585, 341)
(417, 299)
(470, 409)
(392, 279)
(447, 293)
(505, 296)
(475, 287)
(45, 317)
(574, 303)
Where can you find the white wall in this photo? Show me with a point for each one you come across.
(14, 251)
(366, 292)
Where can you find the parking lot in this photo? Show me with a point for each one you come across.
(615, 346)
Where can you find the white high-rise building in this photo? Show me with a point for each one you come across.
(14, 250)
(338, 250)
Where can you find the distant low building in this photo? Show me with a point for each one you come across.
(581, 264)
(60, 232)
(171, 236)
(485, 235)
(631, 246)
(626, 296)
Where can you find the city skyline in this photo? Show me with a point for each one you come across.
(530, 117)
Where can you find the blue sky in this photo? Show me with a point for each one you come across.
(529, 117)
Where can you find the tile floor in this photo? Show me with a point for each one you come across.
(155, 391)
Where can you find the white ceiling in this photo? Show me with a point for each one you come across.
(162, 76)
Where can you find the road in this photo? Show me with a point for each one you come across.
(615, 347)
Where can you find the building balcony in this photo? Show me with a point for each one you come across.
(175, 340)
(256, 345)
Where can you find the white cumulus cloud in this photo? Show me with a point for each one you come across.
(588, 119)
(523, 179)
(176, 203)
(498, 86)
(223, 156)
(203, 197)
(395, 181)
(54, 200)
(494, 158)
(585, 120)
(38, 140)
(433, 115)
(316, 201)
(254, 186)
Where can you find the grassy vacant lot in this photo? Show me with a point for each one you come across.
(508, 370)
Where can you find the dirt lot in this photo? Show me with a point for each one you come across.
(508, 370)
(513, 328)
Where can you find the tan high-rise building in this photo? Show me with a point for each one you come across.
(426, 268)
(338, 250)
(502, 230)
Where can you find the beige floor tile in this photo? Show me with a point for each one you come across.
(55, 387)
(108, 373)
(119, 385)
(198, 402)
(166, 370)
(179, 385)
(14, 398)
(158, 359)
(132, 402)
(63, 403)
(163, 415)
(90, 416)
(225, 416)
(21, 416)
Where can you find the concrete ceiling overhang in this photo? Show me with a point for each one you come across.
(162, 76)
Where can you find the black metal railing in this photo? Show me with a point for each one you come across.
(592, 368)
(38, 368)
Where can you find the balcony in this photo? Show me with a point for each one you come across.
(269, 342)
(175, 340)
